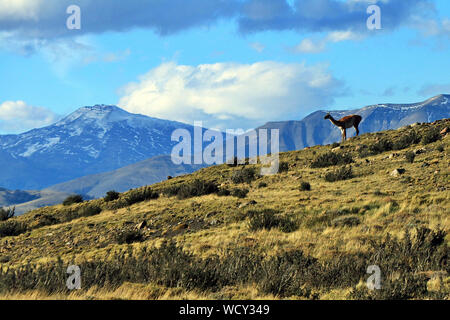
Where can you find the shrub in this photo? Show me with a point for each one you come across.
(342, 173)
(381, 146)
(348, 221)
(129, 236)
(430, 136)
(305, 186)
(283, 167)
(410, 156)
(6, 214)
(283, 274)
(335, 145)
(262, 185)
(440, 148)
(244, 175)
(140, 195)
(223, 192)
(89, 211)
(12, 228)
(197, 188)
(406, 140)
(240, 193)
(269, 219)
(331, 159)
(111, 196)
(76, 198)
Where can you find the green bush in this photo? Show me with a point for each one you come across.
(12, 228)
(111, 196)
(381, 146)
(269, 219)
(331, 159)
(129, 236)
(244, 175)
(430, 136)
(342, 173)
(406, 140)
(223, 192)
(6, 214)
(90, 210)
(410, 156)
(73, 199)
(140, 195)
(197, 188)
(346, 221)
(283, 167)
(335, 145)
(262, 185)
(305, 186)
(239, 193)
(440, 148)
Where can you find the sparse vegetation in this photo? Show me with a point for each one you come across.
(430, 136)
(11, 228)
(342, 173)
(262, 185)
(90, 210)
(281, 243)
(269, 219)
(305, 186)
(73, 199)
(283, 167)
(128, 236)
(6, 214)
(240, 193)
(244, 175)
(410, 156)
(331, 159)
(111, 196)
(139, 195)
(406, 140)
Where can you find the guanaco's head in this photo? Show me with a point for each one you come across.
(328, 116)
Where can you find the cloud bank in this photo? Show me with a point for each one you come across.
(43, 20)
(232, 95)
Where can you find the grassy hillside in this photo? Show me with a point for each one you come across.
(309, 232)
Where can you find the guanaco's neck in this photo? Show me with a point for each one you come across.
(335, 122)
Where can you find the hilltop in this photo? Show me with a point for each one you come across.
(224, 232)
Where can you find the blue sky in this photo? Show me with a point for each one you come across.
(230, 64)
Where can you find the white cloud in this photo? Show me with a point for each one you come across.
(259, 47)
(231, 95)
(308, 45)
(17, 116)
(20, 9)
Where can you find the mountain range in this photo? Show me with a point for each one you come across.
(91, 140)
(100, 148)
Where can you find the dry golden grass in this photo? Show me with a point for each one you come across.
(210, 224)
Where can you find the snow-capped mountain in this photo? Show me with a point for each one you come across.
(88, 141)
(314, 130)
(101, 139)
